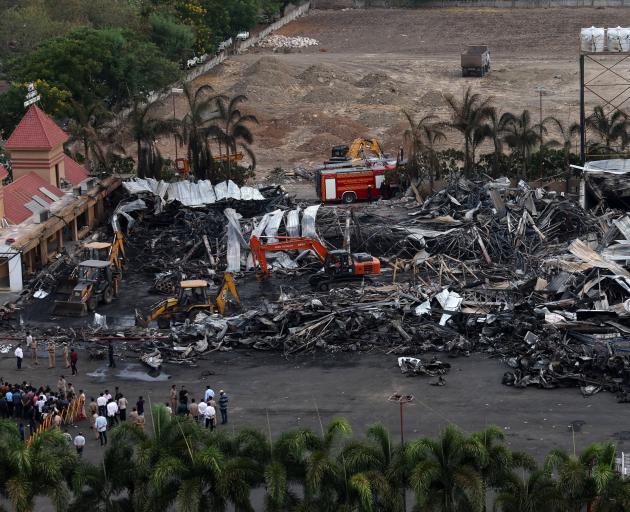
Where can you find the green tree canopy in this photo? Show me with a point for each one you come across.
(108, 64)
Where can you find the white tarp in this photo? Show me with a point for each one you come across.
(308, 221)
(124, 209)
(235, 240)
(614, 166)
(451, 302)
(273, 224)
(192, 194)
(292, 222)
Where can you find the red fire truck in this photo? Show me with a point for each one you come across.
(350, 184)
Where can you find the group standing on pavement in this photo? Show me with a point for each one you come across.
(204, 412)
(30, 406)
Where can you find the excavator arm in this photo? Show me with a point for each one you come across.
(360, 147)
(285, 243)
(156, 311)
(228, 286)
(117, 251)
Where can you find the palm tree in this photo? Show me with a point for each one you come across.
(195, 127)
(444, 475)
(610, 130)
(377, 471)
(87, 124)
(567, 137)
(104, 487)
(234, 131)
(522, 136)
(144, 130)
(421, 139)
(584, 479)
(494, 130)
(181, 466)
(527, 492)
(37, 468)
(467, 117)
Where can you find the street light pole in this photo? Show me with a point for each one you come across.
(402, 400)
(174, 91)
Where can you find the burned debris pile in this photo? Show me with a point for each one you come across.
(520, 274)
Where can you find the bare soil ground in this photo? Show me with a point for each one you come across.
(371, 64)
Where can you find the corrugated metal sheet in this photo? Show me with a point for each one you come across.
(192, 194)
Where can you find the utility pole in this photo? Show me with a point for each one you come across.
(402, 400)
(540, 90)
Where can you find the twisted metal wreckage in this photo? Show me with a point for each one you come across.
(517, 273)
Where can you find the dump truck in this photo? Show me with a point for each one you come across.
(476, 60)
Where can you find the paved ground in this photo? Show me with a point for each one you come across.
(298, 392)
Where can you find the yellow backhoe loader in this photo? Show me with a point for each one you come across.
(193, 297)
(86, 287)
(95, 283)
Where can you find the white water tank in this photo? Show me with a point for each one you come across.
(618, 39)
(592, 39)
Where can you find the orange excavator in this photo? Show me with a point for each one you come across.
(339, 265)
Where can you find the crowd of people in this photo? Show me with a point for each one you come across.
(32, 406)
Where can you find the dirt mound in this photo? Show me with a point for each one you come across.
(432, 98)
(372, 80)
(345, 128)
(269, 72)
(333, 93)
(323, 74)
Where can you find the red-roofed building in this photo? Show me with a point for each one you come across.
(40, 223)
(4, 174)
(30, 189)
(74, 171)
(36, 145)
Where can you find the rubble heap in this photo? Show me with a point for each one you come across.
(279, 41)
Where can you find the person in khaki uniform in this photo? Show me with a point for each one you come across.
(32, 344)
(66, 355)
(51, 354)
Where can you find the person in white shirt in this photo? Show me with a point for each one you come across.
(201, 410)
(209, 394)
(210, 415)
(40, 403)
(112, 410)
(101, 427)
(79, 443)
(101, 403)
(19, 356)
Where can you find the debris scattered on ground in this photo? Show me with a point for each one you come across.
(279, 41)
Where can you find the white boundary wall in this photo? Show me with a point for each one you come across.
(240, 48)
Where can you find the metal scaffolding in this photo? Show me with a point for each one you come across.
(606, 77)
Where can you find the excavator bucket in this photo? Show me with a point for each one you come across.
(141, 320)
(67, 308)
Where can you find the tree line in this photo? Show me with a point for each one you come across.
(109, 51)
(181, 466)
(214, 133)
(535, 149)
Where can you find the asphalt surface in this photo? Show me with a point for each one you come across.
(269, 392)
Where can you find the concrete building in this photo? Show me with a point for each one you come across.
(52, 199)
